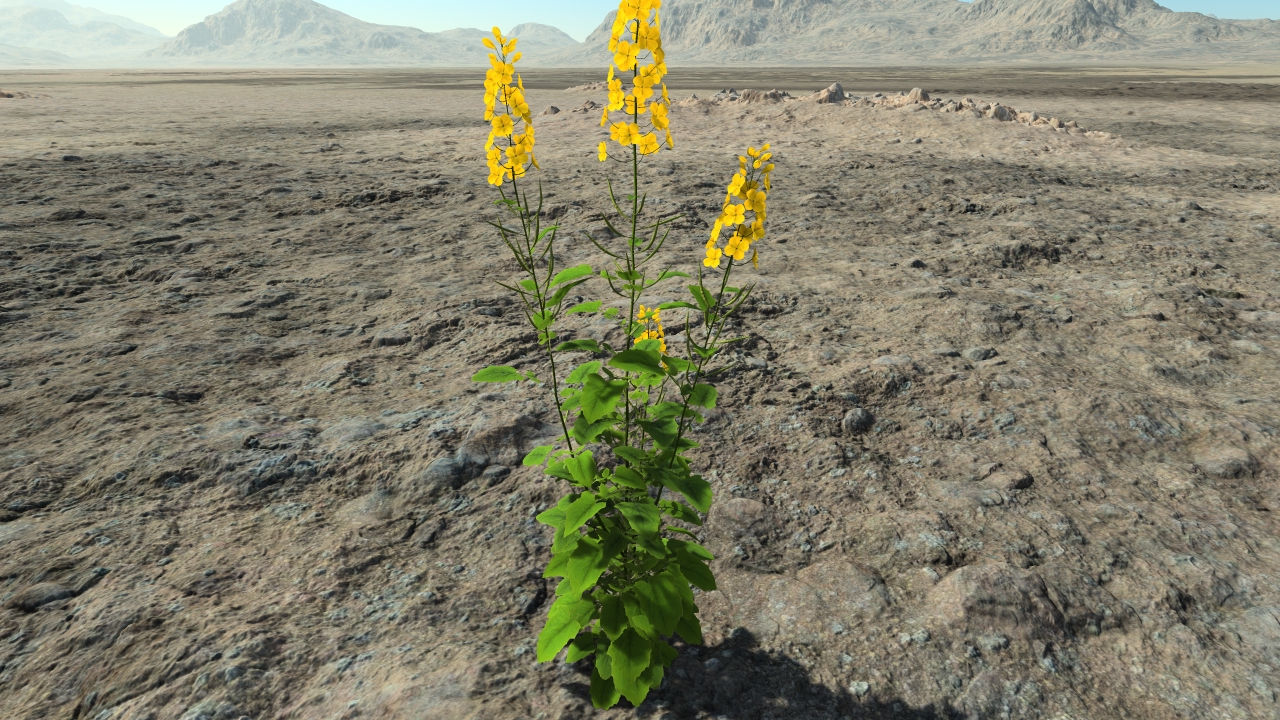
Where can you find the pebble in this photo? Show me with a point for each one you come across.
(860, 688)
(857, 420)
(979, 353)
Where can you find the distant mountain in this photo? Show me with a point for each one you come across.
(883, 32)
(306, 33)
(12, 56)
(46, 29)
(78, 15)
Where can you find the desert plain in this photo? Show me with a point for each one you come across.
(1000, 440)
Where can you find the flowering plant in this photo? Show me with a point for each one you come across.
(622, 541)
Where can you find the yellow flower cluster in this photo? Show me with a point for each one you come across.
(652, 318)
(744, 209)
(506, 110)
(636, 38)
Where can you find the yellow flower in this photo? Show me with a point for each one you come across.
(670, 144)
(755, 259)
(648, 144)
(658, 112)
(735, 185)
(756, 200)
(507, 112)
(604, 152)
(502, 125)
(733, 214)
(713, 257)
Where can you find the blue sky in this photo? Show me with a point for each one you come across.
(576, 17)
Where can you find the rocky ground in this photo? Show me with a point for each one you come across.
(1001, 441)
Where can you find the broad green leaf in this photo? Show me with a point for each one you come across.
(528, 285)
(701, 395)
(676, 365)
(631, 455)
(589, 306)
(604, 694)
(600, 396)
(587, 432)
(558, 567)
(572, 273)
(586, 565)
(559, 469)
(635, 360)
(636, 617)
(498, 374)
(554, 516)
(604, 664)
(612, 545)
(696, 490)
(690, 629)
(651, 344)
(581, 372)
(611, 313)
(561, 627)
(693, 549)
(663, 431)
(564, 541)
(630, 656)
(644, 518)
(665, 410)
(582, 646)
(537, 456)
(680, 511)
(651, 544)
(613, 616)
(624, 475)
(585, 345)
(582, 510)
(661, 602)
(582, 468)
(696, 571)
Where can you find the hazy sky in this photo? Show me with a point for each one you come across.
(576, 17)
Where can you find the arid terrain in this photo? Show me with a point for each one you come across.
(1000, 441)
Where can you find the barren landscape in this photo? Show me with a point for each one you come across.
(1000, 441)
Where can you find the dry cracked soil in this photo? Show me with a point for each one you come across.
(1000, 440)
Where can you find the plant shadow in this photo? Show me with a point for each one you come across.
(736, 680)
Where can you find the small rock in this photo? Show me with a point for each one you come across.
(40, 594)
(1011, 479)
(1189, 205)
(114, 349)
(946, 352)
(917, 262)
(551, 110)
(857, 420)
(72, 158)
(979, 353)
(831, 94)
(495, 474)
(442, 475)
(860, 688)
(392, 337)
(1227, 462)
(917, 95)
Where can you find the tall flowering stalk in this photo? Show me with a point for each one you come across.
(622, 545)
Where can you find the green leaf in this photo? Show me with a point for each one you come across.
(635, 360)
(677, 304)
(613, 616)
(564, 541)
(572, 273)
(552, 516)
(582, 510)
(497, 374)
(636, 617)
(693, 549)
(561, 627)
(587, 432)
(644, 517)
(680, 511)
(542, 320)
(582, 646)
(604, 664)
(695, 571)
(611, 313)
(703, 297)
(663, 431)
(612, 545)
(604, 694)
(690, 629)
(581, 372)
(670, 274)
(696, 490)
(676, 366)
(582, 469)
(631, 455)
(586, 345)
(586, 565)
(630, 656)
(528, 285)
(665, 410)
(600, 396)
(537, 456)
(660, 600)
(624, 475)
(589, 306)
(558, 567)
(701, 395)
